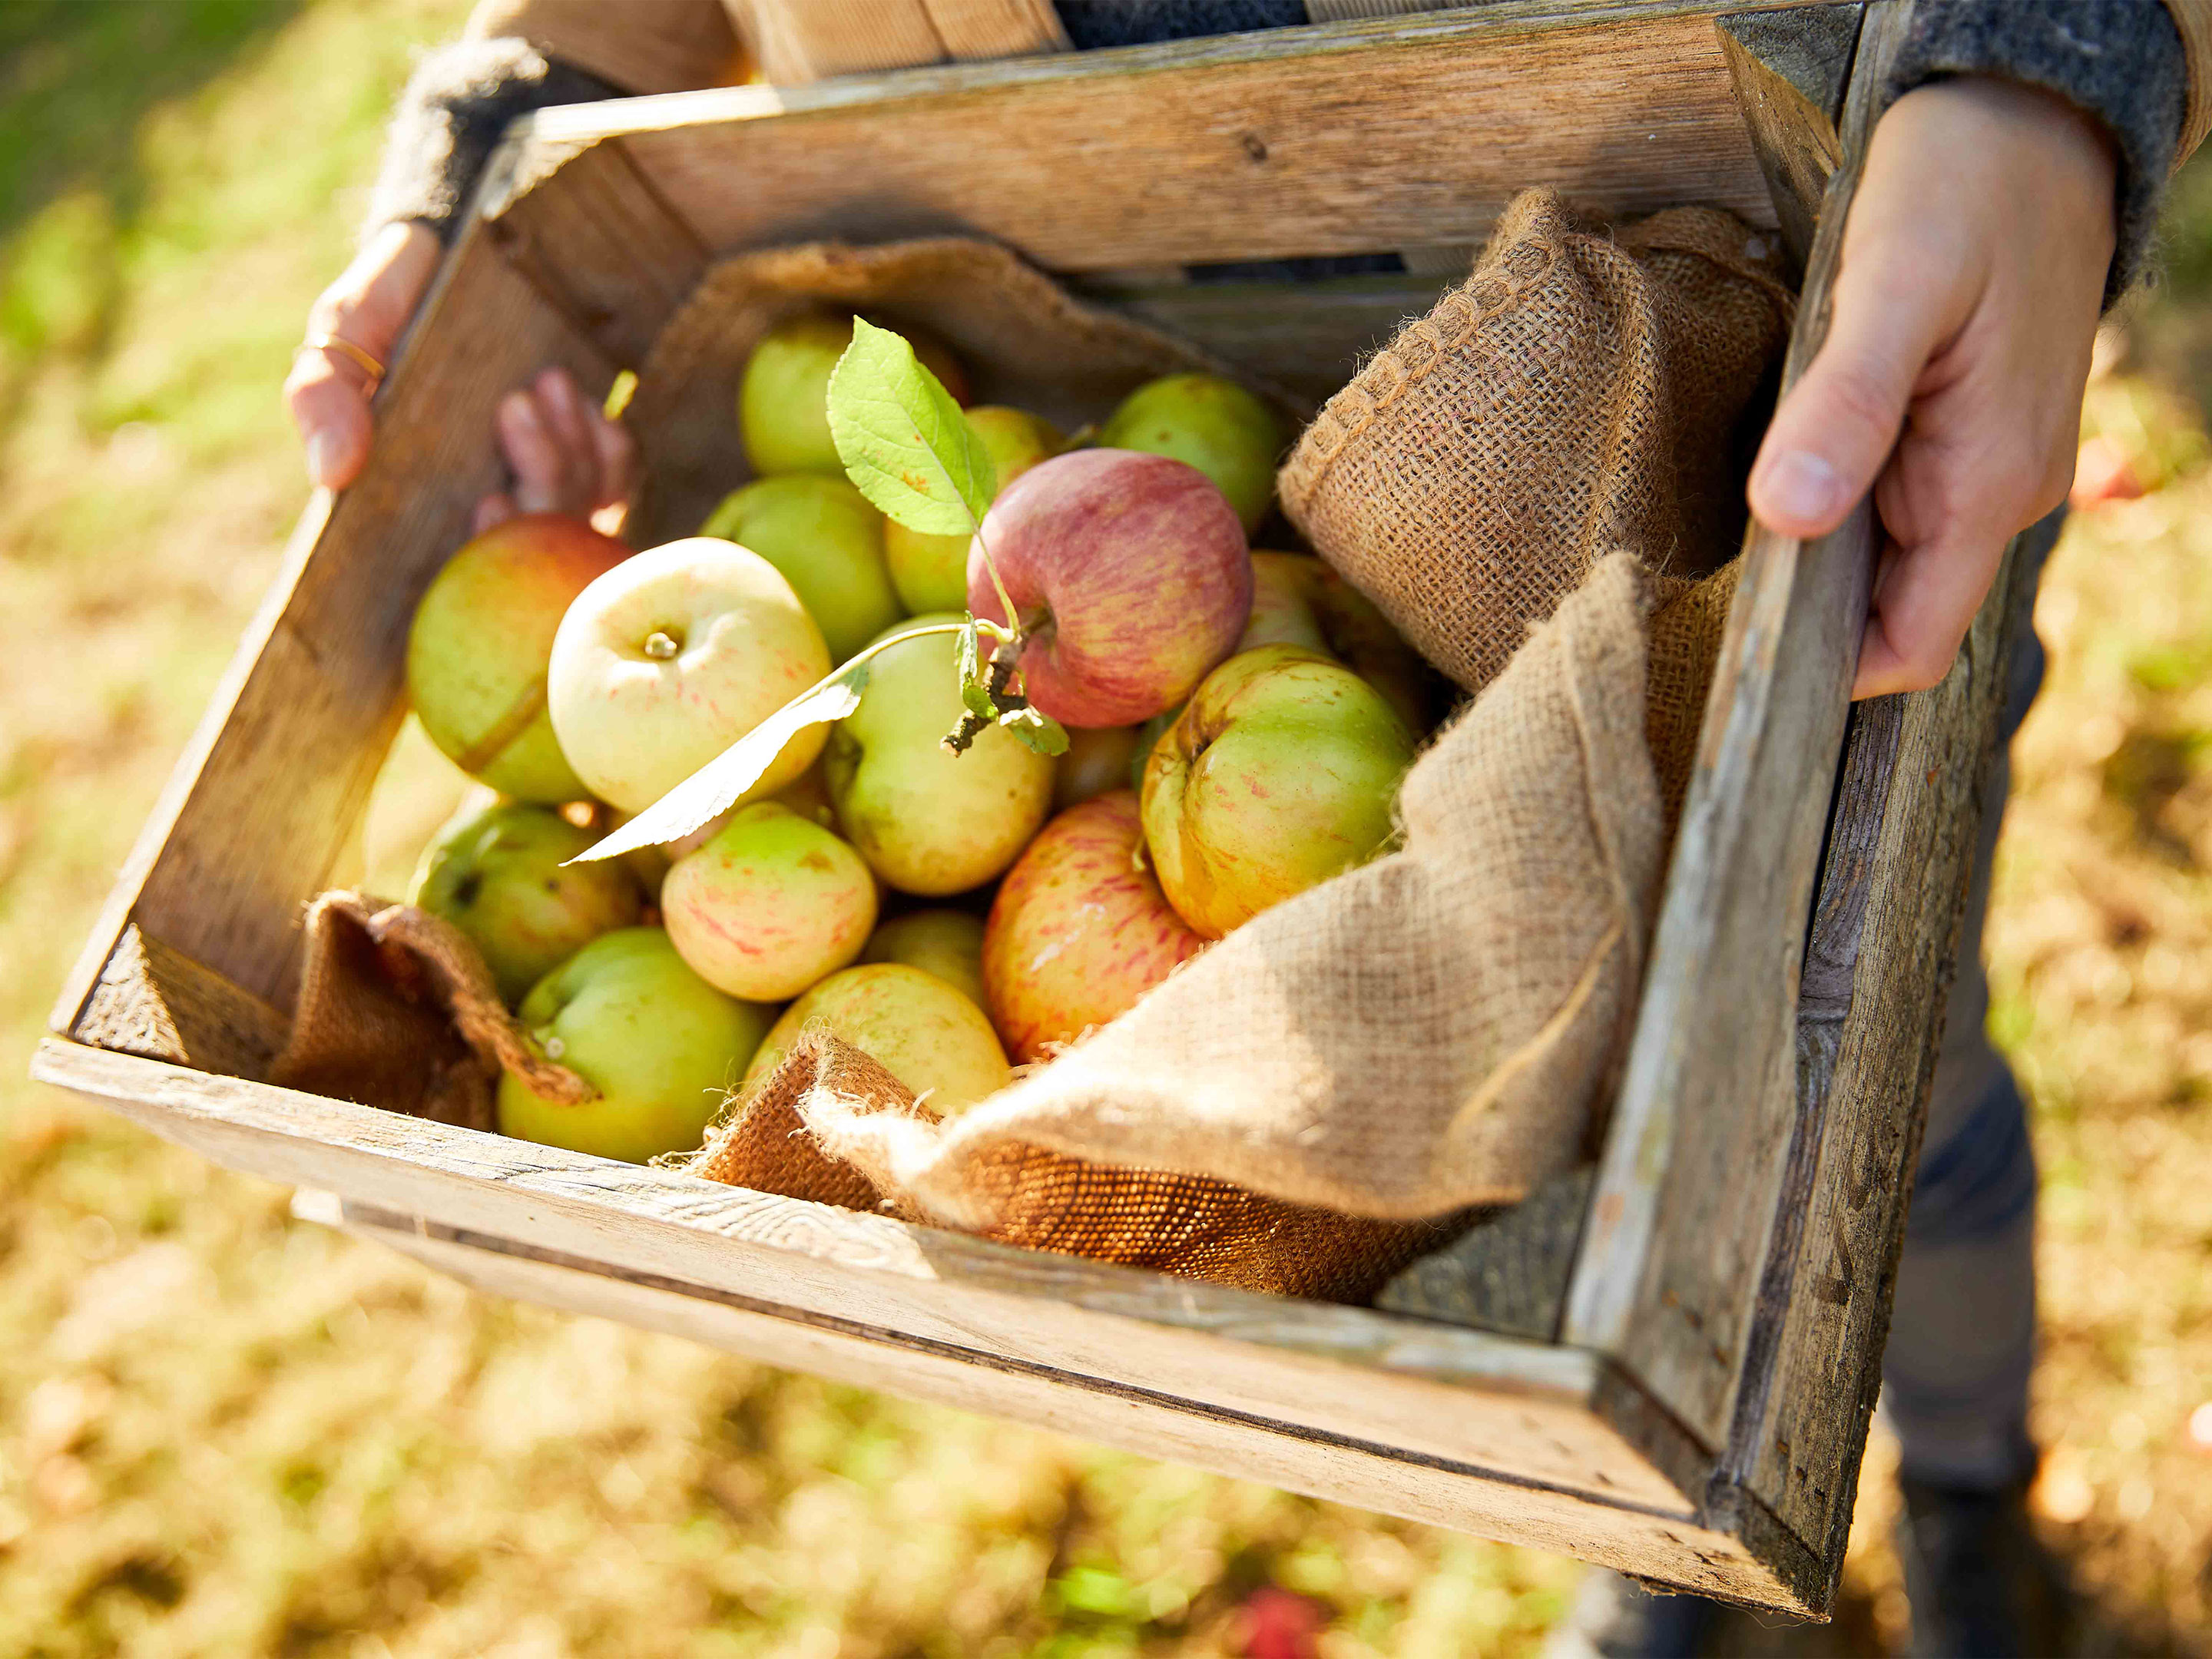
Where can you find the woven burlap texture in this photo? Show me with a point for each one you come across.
(1021, 338)
(1576, 394)
(1425, 1033)
(397, 1009)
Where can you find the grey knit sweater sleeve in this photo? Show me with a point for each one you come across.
(2119, 60)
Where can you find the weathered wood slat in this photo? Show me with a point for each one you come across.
(1340, 1467)
(1519, 1407)
(1672, 1260)
(1239, 148)
(1508, 1273)
(154, 1002)
(1790, 70)
(1886, 946)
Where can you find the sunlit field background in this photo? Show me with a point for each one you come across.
(224, 1432)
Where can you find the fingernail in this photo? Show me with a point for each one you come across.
(1801, 485)
(322, 458)
(517, 408)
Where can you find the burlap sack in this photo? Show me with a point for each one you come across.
(776, 1139)
(397, 1009)
(1431, 1032)
(1575, 395)
(1022, 340)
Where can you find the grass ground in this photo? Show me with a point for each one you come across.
(224, 1433)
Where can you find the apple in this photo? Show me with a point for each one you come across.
(1131, 575)
(672, 656)
(1215, 425)
(501, 875)
(661, 1046)
(1148, 738)
(1098, 758)
(927, 821)
(783, 396)
(771, 904)
(1080, 929)
(1281, 772)
(929, 1035)
(829, 543)
(1297, 599)
(947, 942)
(931, 572)
(477, 650)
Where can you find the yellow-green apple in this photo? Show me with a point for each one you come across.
(783, 396)
(661, 1046)
(1080, 929)
(1281, 772)
(829, 543)
(501, 875)
(1214, 424)
(672, 656)
(947, 942)
(931, 572)
(477, 653)
(771, 904)
(1297, 599)
(1131, 576)
(925, 1033)
(1098, 758)
(930, 821)
(1148, 738)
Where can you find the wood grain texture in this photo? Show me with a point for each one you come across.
(265, 797)
(981, 29)
(1886, 944)
(1516, 1407)
(1507, 1274)
(156, 1002)
(795, 41)
(1789, 69)
(1672, 1260)
(1336, 1468)
(1346, 138)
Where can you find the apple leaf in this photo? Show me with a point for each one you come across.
(1039, 732)
(975, 686)
(905, 444)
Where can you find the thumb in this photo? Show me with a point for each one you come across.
(1834, 430)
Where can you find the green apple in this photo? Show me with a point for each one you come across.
(772, 903)
(477, 650)
(783, 396)
(947, 942)
(1282, 773)
(501, 875)
(661, 1046)
(931, 572)
(927, 821)
(672, 656)
(929, 1035)
(1297, 599)
(1208, 422)
(829, 543)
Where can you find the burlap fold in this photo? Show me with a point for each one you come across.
(1576, 394)
(397, 1009)
(1021, 338)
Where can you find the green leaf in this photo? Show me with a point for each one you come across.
(1040, 733)
(975, 683)
(905, 444)
(714, 789)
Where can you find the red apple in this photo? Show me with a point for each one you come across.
(1131, 575)
(1080, 929)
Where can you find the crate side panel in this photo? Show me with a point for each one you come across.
(1433, 1389)
(1656, 1547)
(1226, 154)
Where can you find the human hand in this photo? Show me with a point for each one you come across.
(566, 455)
(367, 308)
(1973, 268)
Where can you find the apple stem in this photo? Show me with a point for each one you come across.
(1004, 655)
(1005, 600)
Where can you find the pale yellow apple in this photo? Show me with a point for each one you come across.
(947, 942)
(928, 1035)
(669, 658)
(771, 904)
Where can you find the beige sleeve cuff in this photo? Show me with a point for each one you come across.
(640, 46)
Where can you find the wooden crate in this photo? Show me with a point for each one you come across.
(1683, 1386)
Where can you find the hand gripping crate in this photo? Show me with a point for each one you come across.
(1680, 1381)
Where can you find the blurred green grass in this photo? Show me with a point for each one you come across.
(224, 1433)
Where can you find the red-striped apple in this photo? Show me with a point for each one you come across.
(931, 572)
(772, 903)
